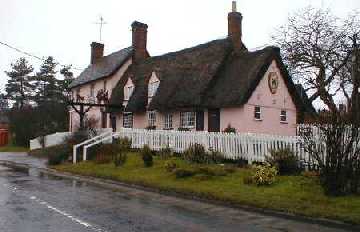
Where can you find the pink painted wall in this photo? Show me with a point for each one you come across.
(85, 92)
(242, 118)
(271, 105)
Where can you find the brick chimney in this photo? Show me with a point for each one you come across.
(97, 52)
(235, 28)
(139, 40)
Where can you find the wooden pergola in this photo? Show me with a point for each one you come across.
(82, 107)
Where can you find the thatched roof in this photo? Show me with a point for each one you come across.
(106, 67)
(210, 75)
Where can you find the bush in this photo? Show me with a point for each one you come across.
(338, 140)
(58, 154)
(120, 159)
(165, 153)
(106, 153)
(229, 129)
(170, 165)
(183, 173)
(147, 156)
(195, 153)
(285, 161)
(150, 128)
(214, 157)
(124, 144)
(264, 175)
(77, 137)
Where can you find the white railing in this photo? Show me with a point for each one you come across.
(251, 147)
(90, 141)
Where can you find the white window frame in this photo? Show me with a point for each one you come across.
(128, 91)
(151, 118)
(128, 120)
(92, 90)
(187, 119)
(153, 86)
(283, 116)
(168, 121)
(105, 85)
(257, 111)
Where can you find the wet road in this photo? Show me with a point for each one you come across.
(34, 202)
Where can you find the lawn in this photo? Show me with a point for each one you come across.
(294, 194)
(11, 148)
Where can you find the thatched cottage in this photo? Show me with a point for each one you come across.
(205, 88)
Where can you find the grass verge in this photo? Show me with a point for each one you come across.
(292, 194)
(11, 148)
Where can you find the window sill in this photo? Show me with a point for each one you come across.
(284, 122)
(258, 120)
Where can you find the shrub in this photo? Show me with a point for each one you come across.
(229, 129)
(165, 153)
(214, 157)
(106, 153)
(150, 128)
(147, 156)
(338, 139)
(285, 161)
(264, 174)
(120, 159)
(183, 173)
(124, 144)
(183, 129)
(58, 154)
(195, 153)
(77, 137)
(170, 165)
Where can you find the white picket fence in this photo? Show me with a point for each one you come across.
(251, 147)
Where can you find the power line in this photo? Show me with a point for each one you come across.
(32, 55)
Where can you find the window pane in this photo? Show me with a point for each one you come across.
(283, 117)
(257, 112)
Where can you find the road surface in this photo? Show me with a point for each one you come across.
(35, 202)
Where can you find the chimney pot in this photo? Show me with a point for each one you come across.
(234, 6)
(97, 52)
(235, 27)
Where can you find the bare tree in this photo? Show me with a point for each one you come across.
(317, 47)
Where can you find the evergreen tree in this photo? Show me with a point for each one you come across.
(68, 78)
(4, 104)
(19, 88)
(48, 87)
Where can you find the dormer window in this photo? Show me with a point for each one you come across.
(154, 83)
(128, 89)
(128, 92)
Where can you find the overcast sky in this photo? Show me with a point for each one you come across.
(65, 28)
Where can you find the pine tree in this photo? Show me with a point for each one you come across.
(4, 104)
(19, 88)
(48, 87)
(68, 78)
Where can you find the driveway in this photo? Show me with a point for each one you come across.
(34, 202)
